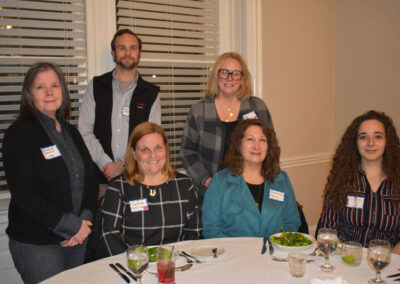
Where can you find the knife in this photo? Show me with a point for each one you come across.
(393, 275)
(125, 270)
(264, 247)
(120, 274)
(271, 248)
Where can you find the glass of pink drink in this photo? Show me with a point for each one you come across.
(166, 256)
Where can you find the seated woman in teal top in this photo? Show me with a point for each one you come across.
(251, 197)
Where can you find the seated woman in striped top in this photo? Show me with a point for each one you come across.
(150, 204)
(362, 194)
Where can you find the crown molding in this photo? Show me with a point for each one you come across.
(306, 160)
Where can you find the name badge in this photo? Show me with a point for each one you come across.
(250, 115)
(51, 152)
(138, 205)
(276, 195)
(125, 111)
(356, 202)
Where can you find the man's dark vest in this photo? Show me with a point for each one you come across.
(142, 100)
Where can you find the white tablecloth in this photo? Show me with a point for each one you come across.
(242, 262)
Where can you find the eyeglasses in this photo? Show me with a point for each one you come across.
(224, 74)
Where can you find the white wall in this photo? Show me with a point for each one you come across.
(367, 60)
(297, 61)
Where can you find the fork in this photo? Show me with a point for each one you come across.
(195, 259)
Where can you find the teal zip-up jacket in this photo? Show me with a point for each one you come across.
(229, 209)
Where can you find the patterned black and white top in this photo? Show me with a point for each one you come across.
(377, 216)
(149, 215)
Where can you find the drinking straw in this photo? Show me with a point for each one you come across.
(169, 263)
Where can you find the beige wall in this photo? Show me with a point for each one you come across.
(297, 41)
(324, 63)
(367, 59)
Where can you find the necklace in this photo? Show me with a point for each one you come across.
(153, 191)
(228, 110)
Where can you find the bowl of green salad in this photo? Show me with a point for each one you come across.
(292, 241)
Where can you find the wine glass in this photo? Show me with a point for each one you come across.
(379, 252)
(327, 241)
(138, 261)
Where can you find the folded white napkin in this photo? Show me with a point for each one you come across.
(338, 280)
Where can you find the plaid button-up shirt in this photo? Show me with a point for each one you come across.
(203, 137)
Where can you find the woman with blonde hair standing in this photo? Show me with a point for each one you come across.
(210, 122)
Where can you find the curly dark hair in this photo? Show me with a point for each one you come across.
(347, 160)
(234, 160)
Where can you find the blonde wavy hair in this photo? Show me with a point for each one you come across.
(132, 171)
(245, 89)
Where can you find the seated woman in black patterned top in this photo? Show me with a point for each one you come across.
(362, 194)
(150, 203)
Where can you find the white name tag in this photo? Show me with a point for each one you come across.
(276, 195)
(250, 115)
(125, 111)
(138, 205)
(50, 152)
(355, 201)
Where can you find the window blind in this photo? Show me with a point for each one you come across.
(180, 44)
(39, 30)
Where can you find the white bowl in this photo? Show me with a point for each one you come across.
(288, 248)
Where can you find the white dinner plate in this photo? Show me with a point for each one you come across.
(288, 248)
(180, 261)
(206, 250)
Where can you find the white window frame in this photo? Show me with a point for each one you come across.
(101, 26)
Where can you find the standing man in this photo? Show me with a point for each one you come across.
(114, 104)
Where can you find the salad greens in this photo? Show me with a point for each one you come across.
(291, 239)
(152, 254)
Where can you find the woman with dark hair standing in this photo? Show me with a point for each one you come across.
(251, 197)
(362, 194)
(51, 179)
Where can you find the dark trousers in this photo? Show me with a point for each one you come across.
(36, 263)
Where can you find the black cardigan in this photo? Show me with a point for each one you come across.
(40, 188)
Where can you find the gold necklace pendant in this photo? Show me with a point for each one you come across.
(153, 192)
(231, 114)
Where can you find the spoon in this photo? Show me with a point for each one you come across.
(197, 261)
(184, 267)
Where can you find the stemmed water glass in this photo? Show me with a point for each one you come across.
(327, 241)
(379, 252)
(138, 261)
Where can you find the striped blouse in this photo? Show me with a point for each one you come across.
(368, 215)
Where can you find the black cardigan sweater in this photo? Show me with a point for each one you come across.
(40, 188)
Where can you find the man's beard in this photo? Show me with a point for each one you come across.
(127, 66)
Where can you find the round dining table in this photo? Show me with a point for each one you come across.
(240, 262)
